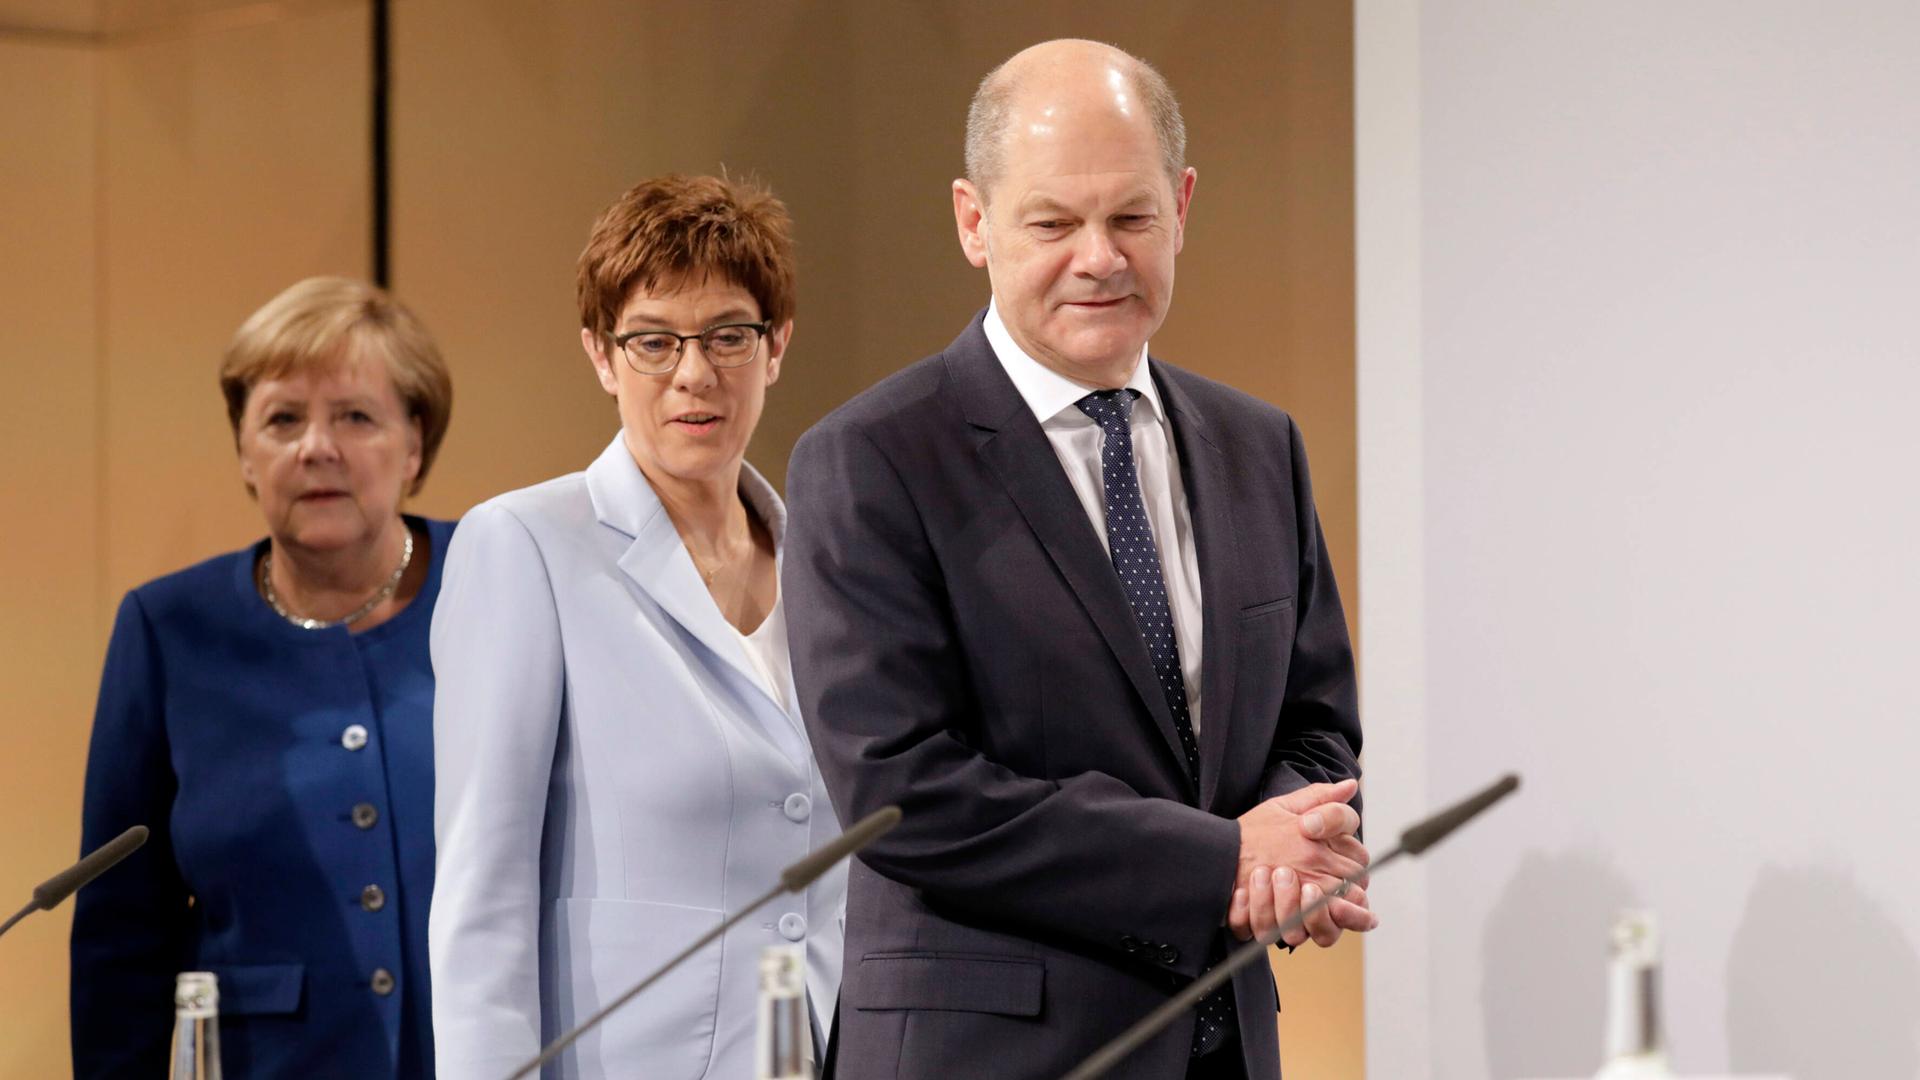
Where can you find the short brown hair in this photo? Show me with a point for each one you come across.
(324, 321)
(688, 227)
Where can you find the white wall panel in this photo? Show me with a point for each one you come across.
(1666, 370)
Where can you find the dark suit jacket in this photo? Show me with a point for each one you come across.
(962, 647)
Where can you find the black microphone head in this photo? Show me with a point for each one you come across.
(68, 881)
(865, 831)
(1435, 829)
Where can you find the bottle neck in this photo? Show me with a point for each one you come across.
(1633, 1010)
(196, 1028)
(783, 1044)
(196, 1047)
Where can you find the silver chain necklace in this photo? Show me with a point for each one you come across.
(374, 601)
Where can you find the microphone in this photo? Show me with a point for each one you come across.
(793, 879)
(52, 891)
(865, 831)
(1414, 841)
(1419, 838)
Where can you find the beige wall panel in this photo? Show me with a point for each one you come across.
(235, 162)
(50, 20)
(1266, 291)
(515, 124)
(50, 632)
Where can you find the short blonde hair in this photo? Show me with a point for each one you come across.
(323, 321)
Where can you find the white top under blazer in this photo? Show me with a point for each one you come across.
(612, 779)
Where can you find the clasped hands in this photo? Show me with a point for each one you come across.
(1293, 850)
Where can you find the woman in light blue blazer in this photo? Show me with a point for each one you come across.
(620, 760)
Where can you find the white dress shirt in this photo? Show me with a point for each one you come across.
(1076, 441)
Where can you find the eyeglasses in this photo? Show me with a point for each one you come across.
(656, 352)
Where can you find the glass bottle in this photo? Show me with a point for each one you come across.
(783, 1047)
(1636, 1049)
(196, 1027)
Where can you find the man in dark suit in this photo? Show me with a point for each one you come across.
(1071, 609)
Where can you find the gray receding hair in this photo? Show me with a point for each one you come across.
(992, 109)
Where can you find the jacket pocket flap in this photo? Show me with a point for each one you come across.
(260, 989)
(1006, 985)
(1254, 611)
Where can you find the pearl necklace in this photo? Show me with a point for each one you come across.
(374, 601)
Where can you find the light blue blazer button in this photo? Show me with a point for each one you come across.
(798, 807)
(793, 926)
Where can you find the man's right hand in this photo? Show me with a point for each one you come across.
(1310, 834)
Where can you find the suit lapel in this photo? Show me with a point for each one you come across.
(657, 562)
(1019, 454)
(1203, 470)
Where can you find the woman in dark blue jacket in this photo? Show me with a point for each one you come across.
(269, 715)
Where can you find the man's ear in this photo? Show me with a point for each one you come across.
(1182, 199)
(970, 219)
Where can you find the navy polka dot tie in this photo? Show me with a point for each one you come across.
(1137, 560)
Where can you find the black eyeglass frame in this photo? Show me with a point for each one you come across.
(763, 328)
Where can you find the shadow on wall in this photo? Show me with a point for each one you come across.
(1821, 983)
(1543, 994)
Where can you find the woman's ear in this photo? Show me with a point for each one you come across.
(601, 356)
(415, 440)
(777, 343)
(246, 467)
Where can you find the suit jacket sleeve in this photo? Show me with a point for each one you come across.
(132, 928)
(884, 688)
(1318, 738)
(497, 703)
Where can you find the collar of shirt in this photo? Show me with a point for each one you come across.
(1050, 394)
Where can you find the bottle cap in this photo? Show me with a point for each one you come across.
(782, 971)
(196, 994)
(1636, 938)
